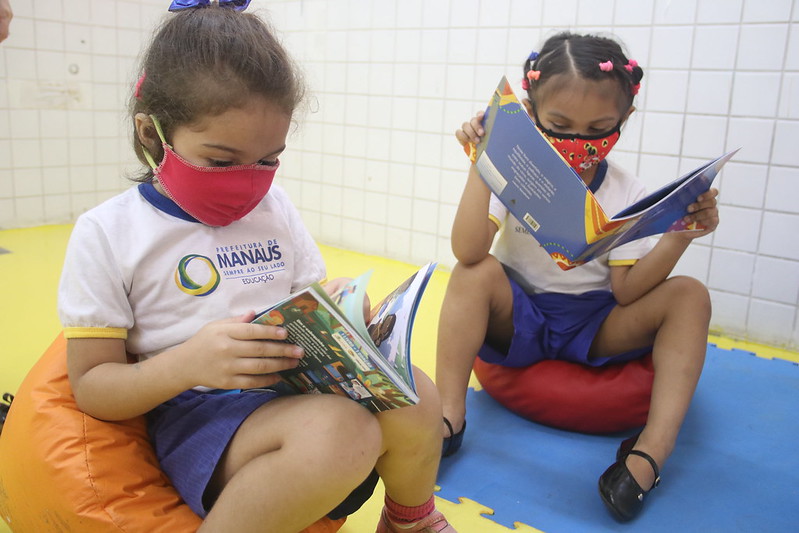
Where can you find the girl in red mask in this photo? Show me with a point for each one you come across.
(515, 306)
(160, 283)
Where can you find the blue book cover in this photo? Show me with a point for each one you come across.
(551, 200)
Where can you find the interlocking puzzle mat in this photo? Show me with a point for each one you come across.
(735, 467)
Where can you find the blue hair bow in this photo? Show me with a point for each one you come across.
(238, 5)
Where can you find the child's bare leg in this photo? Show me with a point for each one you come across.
(291, 462)
(478, 306)
(674, 317)
(409, 463)
(411, 446)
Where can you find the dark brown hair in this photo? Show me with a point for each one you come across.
(580, 55)
(204, 61)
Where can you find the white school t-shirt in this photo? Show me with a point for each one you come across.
(135, 272)
(530, 265)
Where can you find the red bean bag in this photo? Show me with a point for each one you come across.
(62, 470)
(572, 396)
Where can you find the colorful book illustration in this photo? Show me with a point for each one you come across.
(369, 363)
(551, 200)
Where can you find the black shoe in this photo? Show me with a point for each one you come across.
(626, 446)
(4, 407)
(452, 443)
(620, 492)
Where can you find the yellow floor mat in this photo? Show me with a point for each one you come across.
(29, 273)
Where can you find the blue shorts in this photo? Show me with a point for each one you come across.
(191, 431)
(556, 326)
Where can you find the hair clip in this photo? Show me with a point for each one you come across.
(137, 92)
(607, 66)
(179, 5)
(533, 56)
(532, 75)
(634, 89)
(236, 5)
(631, 64)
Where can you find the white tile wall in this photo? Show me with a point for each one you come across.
(744, 184)
(755, 137)
(768, 269)
(771, 320)
(695, 262)
(784, 152)
(736, 280)
(781, 192)
(714, 47)
(730, 313)
(779, 235)
(373, 165)
(789, 103)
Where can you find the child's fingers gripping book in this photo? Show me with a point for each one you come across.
(369, 363)
(553, 203)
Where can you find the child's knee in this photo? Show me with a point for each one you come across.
(429, 406)
(692, 292)
(346, 425)
(416, 424)
(477, 273)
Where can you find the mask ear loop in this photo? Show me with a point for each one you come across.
(161, 136)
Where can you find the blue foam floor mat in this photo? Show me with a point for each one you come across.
(735, 467)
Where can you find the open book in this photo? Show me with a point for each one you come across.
(551, 200)
(369, 363)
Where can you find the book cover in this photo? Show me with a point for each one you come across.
(553, 203)
(340, 355)
(392, 321)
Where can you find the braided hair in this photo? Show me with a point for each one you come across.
(586, 56)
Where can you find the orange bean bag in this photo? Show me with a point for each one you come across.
(62, 470)
(572, 396)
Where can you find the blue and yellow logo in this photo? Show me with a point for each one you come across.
(188, 285)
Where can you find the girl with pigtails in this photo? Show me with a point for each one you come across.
(155, 322)
(513, 306)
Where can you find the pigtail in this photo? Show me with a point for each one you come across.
(531, 75)
(636, 74)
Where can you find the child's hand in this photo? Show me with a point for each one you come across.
(705, 212)
(471, 131)
(335, 285)
(235, 354)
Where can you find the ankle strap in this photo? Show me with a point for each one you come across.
(651, 462)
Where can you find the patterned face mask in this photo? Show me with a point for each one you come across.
(582, 152)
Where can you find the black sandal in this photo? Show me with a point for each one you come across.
(452, 443)
(620, 492)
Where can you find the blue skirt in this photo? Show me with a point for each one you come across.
(556, 326)
(191, 432)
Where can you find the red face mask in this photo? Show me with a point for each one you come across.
(216, 196)
(582, 152)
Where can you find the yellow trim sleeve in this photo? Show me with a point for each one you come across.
(495, 220)
(622, 262)
(96, 333)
